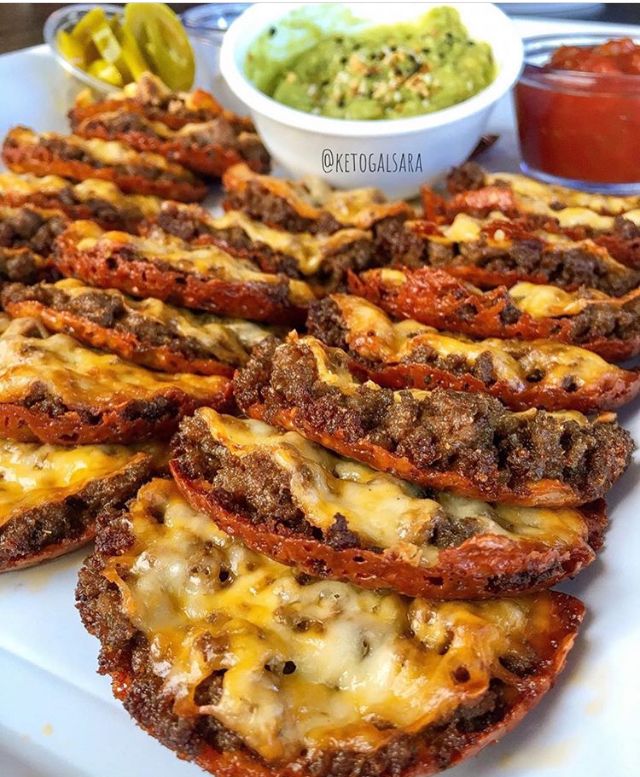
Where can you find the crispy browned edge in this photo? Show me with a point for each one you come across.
(436, 298)
(481, 567)
(124, 655)
(116, 423)
(125, 344)
(130, 476)
(41, 161)
(240, 299)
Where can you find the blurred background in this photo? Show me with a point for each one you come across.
(21, 23)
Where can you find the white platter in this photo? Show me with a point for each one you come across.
(58, 718)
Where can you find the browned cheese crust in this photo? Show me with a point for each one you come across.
(148, 332)
(56, 391)
(474, 192)
(179, 274)
(95, 199)
(515, 684)
(609, 326)
(407, 354)
(70, 156)
(322, 260)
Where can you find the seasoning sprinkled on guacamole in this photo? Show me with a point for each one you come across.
(355, 72)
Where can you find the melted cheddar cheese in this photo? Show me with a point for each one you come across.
(584, 208)
(381, 510)
(32, 475)
(304, 666)
(106, 152)
(372, 335)
(309, 251)
(542, 301)
(207, 261)
(227, 339)
(89, 190)
(82, 376)
(26, 185)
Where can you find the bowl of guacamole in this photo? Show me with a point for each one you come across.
(389, 95)
(384, 71)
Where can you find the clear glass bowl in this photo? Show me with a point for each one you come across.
(65, 19)
(213, 19)
(206, 26)
(578, 129)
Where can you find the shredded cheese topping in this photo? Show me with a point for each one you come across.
(321, 665)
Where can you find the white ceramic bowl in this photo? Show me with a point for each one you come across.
(306, 144)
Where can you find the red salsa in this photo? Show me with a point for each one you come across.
(579, 115)
(615, 56)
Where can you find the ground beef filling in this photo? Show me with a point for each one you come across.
(325, 322)
(21, 265)
(111, 312)
(258, 489)
(38, 528)
(259, 203)
(608, 321)
(470, 434)
(126, 651)
(26, 228)
(469, 176)
(108, 214)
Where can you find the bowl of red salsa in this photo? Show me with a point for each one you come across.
(578, 110)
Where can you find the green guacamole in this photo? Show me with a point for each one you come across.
(335, 66)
